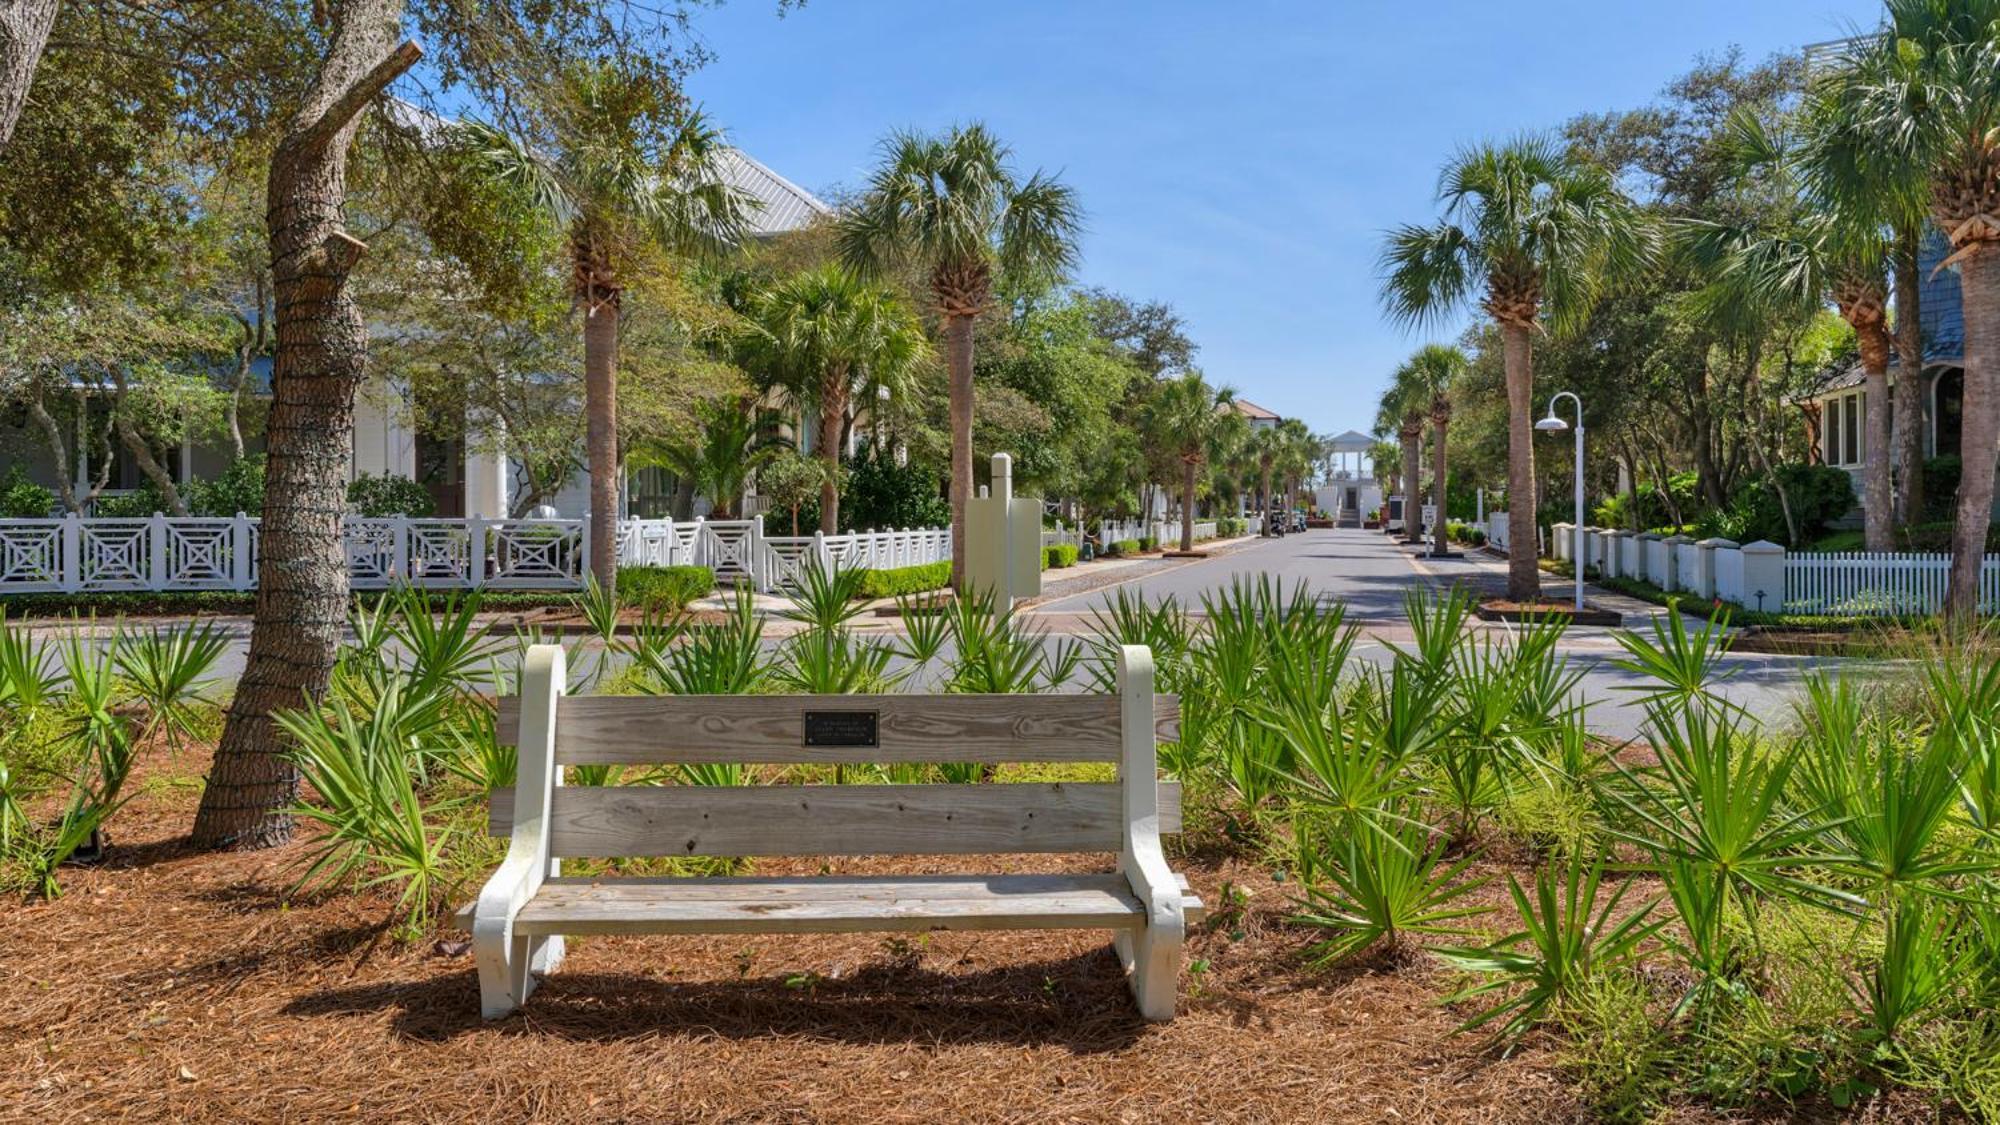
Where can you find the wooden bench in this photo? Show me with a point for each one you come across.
(519, 919)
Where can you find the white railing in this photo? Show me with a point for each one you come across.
(162, 553)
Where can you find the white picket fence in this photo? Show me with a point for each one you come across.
(1766, 576)
(1878, 584)
(163, 553)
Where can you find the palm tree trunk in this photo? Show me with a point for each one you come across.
(600, 442)
(1264, 498)
(1524, 576)
(1980, 437)
(1909, 391)
(832, 408)
(958, 360)
(1187, 505)
(321, 358)
(1877, 499)
(1412, 482)
(24, 32)
(1440, 546)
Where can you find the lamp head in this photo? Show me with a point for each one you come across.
(1552, 424)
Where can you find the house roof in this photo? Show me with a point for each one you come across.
(1939, 308)
(1351, 441)
(1251, 410)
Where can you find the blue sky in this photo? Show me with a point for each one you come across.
(1239, 160)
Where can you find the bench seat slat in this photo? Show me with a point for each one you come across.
(758, 729)
(822, 904)
(843, 820)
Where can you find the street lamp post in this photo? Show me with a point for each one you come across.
(1553, 424)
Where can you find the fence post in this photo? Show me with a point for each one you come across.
(583, 568)
(475, 551)
(156, 568)
(240, 575)
(1764, 576)
(1704, 578)
(1646, 567)
(399, 550)
(1560, 547)
(72, 553)
(1674, 579)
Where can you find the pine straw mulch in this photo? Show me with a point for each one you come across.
(173, 985)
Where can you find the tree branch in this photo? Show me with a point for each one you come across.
(349, 104)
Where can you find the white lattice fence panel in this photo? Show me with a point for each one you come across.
(728, 548)
(372, 548)
(537, 554)
(440, 553)
(31, 555)
(115, 554)
(200, 554)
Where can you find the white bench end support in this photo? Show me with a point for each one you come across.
(1151, 954)
(508, 962)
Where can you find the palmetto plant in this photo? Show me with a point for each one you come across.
(1922, 98)
(356, 758)
(1382, 887)
(1567, 936)
(825, 334)
(950, 206)
(1683, 667)
(624, 162)
(102, 752)
(443, 645)
(1533, 234)
(732, 437)
(1195, 423)
(724, 658)
(28, 677)
(166, 669)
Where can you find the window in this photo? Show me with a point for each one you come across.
(1833, 432)
(1850, 429)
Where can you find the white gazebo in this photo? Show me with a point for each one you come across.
(1350, 491)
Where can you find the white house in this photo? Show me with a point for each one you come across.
(1351, 490)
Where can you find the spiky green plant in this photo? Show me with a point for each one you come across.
(167, 670)
(1382, 887)
(1684, 667)
(1567, 937)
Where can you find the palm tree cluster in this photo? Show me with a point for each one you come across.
(1818, 204)
(1420, 394)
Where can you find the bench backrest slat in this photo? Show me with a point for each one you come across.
(842, 820)
(500, 809)
(643, 730)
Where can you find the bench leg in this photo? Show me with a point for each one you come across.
(1152, 960)
(545, 954)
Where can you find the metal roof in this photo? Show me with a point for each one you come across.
(781, 204)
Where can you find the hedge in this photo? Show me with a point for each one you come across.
(1123, 547)
(1148, 542)
(898, 581)
(1229, 527)
(663, 589)
(1055, 556)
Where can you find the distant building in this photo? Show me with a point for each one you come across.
(1259, 418)
(1351, 491)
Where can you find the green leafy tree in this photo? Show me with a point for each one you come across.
(950, 206)
(1434, 373)
(1533, 234)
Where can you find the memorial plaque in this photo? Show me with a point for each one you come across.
(840, 728)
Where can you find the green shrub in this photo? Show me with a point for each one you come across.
(1125, 547)
(898, 581)
(240, 488)
(23, 499)
(136, 504)
(1229, 527)
(882, 494)
(1818, 494)
(663, 589)
(1148, 543)
(1056, 556)
(376, 497)
(1941, 475)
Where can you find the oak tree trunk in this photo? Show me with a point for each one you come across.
(958, 359)
(1909, 390)
(24, 33)
(600, 407)
(1980, 278)
(1524, 576)
(321, 358)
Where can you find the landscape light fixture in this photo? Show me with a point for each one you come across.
(1555, 425)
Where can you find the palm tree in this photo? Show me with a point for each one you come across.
(1403, 410)
(824, 331)
(1536, 233)
(732, 438)
(1925, 95)
(1266, 446)
(1433, 371)
(1301, 451)
(1193, 422)
(951, 206)
(628, 166)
